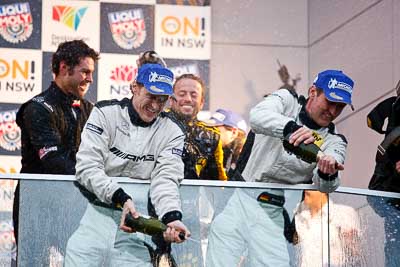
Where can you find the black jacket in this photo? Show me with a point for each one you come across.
(202, 154)
(385, 177)
(51, 125)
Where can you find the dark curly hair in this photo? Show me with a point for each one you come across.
(71, 52)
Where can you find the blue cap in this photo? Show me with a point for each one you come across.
(156, 79)
(228, 118)
(337, 86)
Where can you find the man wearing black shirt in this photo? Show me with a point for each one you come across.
(51, 122)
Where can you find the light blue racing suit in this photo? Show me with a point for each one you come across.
(117, 143)
(248, 223)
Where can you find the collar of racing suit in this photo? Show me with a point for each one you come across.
(135, 118)
(308, 121)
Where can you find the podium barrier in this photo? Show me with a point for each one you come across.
(52, 206)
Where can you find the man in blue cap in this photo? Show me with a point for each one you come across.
(279, 115)
(128, 138)
(233, 130)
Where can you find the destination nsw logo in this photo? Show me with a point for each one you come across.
(69, 16)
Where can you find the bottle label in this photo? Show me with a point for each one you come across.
(318, 139)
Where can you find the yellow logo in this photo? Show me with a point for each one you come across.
(318, 139)
(200, 164)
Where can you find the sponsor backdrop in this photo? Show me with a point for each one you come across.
(30, 32)
(120, 30)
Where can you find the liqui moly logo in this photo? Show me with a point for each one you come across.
(16, 22)
(185, 68)
(128, 28)
(10, 133)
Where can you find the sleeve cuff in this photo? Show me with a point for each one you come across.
(171, 216)
(119, 198)
(327, 177)
(290, 128)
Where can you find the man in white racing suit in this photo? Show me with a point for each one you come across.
(128, 138)
(253, 218)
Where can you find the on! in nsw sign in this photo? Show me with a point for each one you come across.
(183, 32)
(20, 74)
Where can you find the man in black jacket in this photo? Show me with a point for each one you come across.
(51, 122)
(386, 175)
(203, 155)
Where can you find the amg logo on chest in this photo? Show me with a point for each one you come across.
(134, 158)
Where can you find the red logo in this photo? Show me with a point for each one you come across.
(10, 133)
(123, 74)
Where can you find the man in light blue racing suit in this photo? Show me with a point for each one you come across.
(128, 138)
(254, 218)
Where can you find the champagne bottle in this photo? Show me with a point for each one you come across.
(149, 226)
(307, 152)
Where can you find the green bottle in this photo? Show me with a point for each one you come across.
(307, 152)
(149, 226)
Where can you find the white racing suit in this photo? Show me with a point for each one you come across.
(257, 225)
(116, 142)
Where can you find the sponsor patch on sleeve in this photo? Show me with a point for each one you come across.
(94, 128)
(45, 150)
(177, 151)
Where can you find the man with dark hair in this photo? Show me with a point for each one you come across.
(51, 122)
(255, 219)
(203, 154)
(128, 138)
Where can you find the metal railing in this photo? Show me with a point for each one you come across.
(52, 208)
